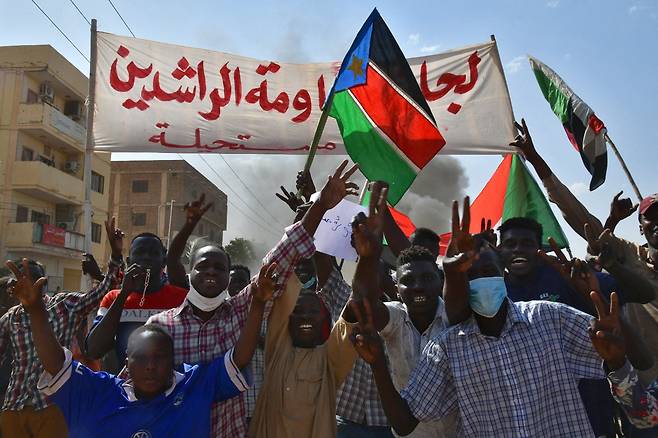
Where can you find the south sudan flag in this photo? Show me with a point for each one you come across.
(385, 121)
(585, 131)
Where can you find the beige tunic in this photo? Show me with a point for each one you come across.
(298, 396)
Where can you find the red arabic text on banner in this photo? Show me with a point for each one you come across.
(156, 97)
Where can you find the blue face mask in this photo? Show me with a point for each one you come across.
(310, 284)
(486, 295)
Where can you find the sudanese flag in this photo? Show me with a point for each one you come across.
(586, 132)
(385, 122)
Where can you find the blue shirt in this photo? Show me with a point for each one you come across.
(522, 383)
(548, 285)
(98, 404)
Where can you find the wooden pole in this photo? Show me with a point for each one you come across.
(318, 134)
(89, 143)
(623, 166)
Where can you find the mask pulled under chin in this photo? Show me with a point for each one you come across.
(486, 295)
(206, 304)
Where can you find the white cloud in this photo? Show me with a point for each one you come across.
(579, 188)
(553, 3)
(633, 9)
(414, 38)
(515, 64)
(429, 49)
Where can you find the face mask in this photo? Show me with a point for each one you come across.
(310, 284)
(486, 295)
(204, 303)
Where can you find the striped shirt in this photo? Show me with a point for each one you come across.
(523, 383)
(67, 312)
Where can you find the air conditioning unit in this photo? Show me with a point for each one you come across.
(71, 166)
(46, 92)
(73, 109)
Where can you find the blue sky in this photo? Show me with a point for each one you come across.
(605, 50)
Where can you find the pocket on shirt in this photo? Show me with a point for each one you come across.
(308, 387)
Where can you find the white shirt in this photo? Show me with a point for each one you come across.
(404, 345)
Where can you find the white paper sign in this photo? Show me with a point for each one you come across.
(156, 97)
(334, 234)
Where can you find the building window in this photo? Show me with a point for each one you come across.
(21, 213)
(40, 218)
(96, 232)
(140, 186)
(27, 154)
(97, 182)
(32, 96)
(139, 219)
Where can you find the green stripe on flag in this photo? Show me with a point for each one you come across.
(377, 159)
(555, 96)
(524, 198)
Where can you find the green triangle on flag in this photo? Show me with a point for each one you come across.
(513, 192)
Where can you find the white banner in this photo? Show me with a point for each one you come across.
(155, 97)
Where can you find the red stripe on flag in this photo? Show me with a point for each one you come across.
(403, 221)
(489, 203)
(402, 122)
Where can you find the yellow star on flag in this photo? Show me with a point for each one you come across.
(356, 66)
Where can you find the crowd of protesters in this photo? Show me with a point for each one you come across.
(501, 337)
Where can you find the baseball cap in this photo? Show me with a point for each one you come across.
(647, 202)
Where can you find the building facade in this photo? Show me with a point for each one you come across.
(142, 194)
(42, 143)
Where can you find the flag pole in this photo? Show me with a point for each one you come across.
(318, 134)
(623, 166)
(89, 144)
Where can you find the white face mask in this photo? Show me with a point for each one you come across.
(486, 295)
(202, 302)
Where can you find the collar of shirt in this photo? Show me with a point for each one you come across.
(130, 391)
(438, 316)
(514, 316)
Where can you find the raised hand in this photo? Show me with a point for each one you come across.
(90, 267)
(263, 289)
(195, 210)
(577, 273)
(461, 252)
(367, 342)
(290, 199)
(24, 289)
(338, 186)
(133, 279)
(523, 141)
(115, 237)
(487, 232)
(620, 209)
(305, 184)
(598, 246)
(606, 332)
(367, 231)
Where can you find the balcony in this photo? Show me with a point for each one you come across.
(46, 239)
(39, 180)
(53, 127)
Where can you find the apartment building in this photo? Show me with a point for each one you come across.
(42, 142)
(145, 194)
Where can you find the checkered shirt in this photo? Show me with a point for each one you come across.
(199, 342)
(67, 312)
(521, 384)
(357, 399)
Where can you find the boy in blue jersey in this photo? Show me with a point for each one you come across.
(157, 401)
